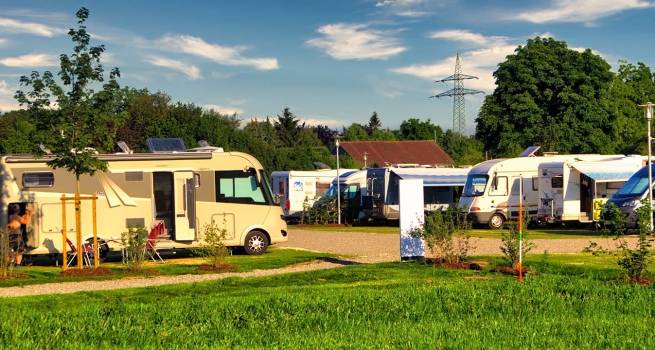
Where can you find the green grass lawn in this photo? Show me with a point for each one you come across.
(535, 233)
(393, 305)
(274, 258)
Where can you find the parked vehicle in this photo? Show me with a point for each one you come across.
(575, 190)
(628, 198)
(295, 189)
(352, 185)
(441, 188)
(491, 194)
(185, 190)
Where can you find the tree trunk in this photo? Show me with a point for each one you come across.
(78, 225)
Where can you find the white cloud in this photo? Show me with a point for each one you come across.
(322, 120)
(29, 61)
(404, 8)
(226, 55)
(17, 26)
(192, 72)
(398, 3)
(356, 42)
(585, 11)
(3, 41)
(7, 102)
(223, 109)
(481, 63)
(467, 36)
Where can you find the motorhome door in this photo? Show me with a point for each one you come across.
(185, 206)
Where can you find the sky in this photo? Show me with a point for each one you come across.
(332, 62)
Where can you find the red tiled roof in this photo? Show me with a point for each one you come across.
(382, 153)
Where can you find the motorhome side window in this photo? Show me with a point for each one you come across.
(238, 187)
(499, 186)
(40, 179)
(535, 183)
(557, 182)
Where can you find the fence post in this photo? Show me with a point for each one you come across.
(64, 239)
(96, 249)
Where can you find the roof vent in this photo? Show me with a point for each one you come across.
(124, 147)
(204, 146)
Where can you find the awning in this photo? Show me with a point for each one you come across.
(618, 170)
(435, 176)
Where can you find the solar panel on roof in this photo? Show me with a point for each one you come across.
(530, 151)
(164, 145)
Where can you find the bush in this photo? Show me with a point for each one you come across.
(6, 255)
(510, 245)
(322, 212)
(213, 245)
(446, 233)
(634, 261)
(614, 220)
(134, 242)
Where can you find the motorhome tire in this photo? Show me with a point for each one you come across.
(496, 221)
(256, 243)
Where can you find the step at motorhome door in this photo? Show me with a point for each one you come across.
(185, 206)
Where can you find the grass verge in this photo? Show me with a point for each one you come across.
(393, 305)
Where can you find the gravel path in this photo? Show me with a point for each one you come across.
(377, 247)
(140, 282)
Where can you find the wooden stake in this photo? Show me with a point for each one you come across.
(64, 239)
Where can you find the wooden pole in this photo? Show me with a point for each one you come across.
(96, 249)
(64, 239)
(78, 228)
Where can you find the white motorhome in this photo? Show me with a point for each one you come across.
(184, 189)
(441, 188)
(352, 185)
(294, 189)
(575, 190)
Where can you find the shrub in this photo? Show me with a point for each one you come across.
(6, 255)
(614, 220)
(634, 261)
(510, 245)
(213, 245)
(322, 212)
(446, 233)
(134, 242)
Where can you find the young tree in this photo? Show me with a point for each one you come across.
(288, 127)
(78, 117)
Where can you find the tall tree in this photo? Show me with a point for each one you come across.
(288, 127)
(416, 129)
(374, 123)
(550, 95)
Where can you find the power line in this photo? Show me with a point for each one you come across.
(457, 93)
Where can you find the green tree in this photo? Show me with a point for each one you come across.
(416, 129)
(465, 150)
(288, 128)
(80, 117)
(374, 123)
(550, 95)
(355, 132)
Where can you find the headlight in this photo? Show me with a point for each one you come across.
(632, 203)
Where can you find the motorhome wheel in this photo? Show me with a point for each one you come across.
(496, 221)
(256, 243)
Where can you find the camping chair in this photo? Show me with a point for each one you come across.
(158, 229)
(73, 252)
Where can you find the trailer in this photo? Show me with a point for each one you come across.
(575, 190)
(181, 190)
(442, 187)
(296, 190)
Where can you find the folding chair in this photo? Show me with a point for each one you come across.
(158, 229)
(74, 252)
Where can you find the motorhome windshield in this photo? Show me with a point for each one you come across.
(347, 191)
(475, 185)
(636, 185)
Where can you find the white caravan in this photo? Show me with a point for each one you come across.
(491, 194)
(575, 190)
(184, 190)
(294, 188)
(441, 188)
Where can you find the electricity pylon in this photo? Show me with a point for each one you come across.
(457, 93)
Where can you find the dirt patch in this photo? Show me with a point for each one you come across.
(99, 271)
(644, 281)
(508, 270)
(15, 276)
(220, 268)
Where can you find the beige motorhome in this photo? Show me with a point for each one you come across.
(185, 190)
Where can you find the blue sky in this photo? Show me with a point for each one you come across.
(332, 62)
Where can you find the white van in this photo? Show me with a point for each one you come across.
(294, 189)
(575, 190)
(491, 194)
